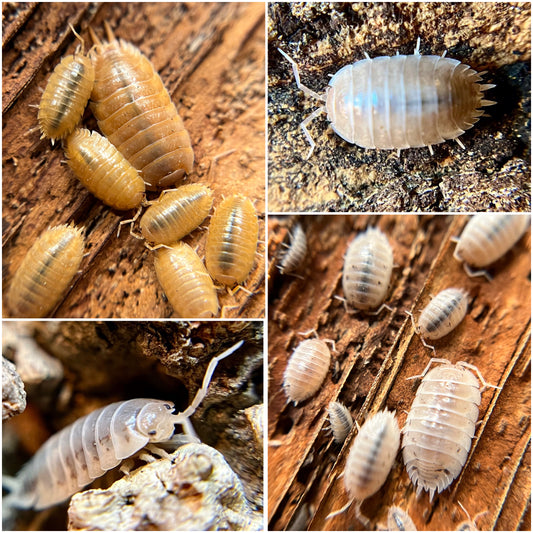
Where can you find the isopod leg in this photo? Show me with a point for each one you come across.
(476, 273)
(304, 124)
(481, 378)
(340, 511)
(301, 86)
(431, 361)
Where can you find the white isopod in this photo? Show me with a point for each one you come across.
(397, 102)
(367, 270)
(487, 237)
(441, 424)
(306, 369)
(340, 420)
(399, 520)
(296, 252)
(99, 441)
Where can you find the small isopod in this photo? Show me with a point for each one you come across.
(367, 270)
(399, 520)
(306, 370)
(135, 112)
(296, 253)
(441, 424)
(487, 237)
(186, 282)
(99, 441)
(65, 96)
(470, 523)
(176, 213)
(340, 420)
(46, 272)
(232, 240)
(103, 170)
(397, 102)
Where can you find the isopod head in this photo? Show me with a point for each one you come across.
(155, 420)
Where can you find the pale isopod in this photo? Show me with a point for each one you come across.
(176, 213)
(399, 520)
(367, 270)
(99, 441)
(487, 237)
(340, 420)
(46, 272)
(232, 240)
(306, 370)
(135, 112)
(103, 170)
(296, 253)
(390, 103)
(440, 425)
(186, 282)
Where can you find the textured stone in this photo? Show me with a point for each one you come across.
(13, 393)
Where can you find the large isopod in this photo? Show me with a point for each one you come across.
(367, 270)
(135, 112)
(232, 240)
(99, 441)
(440, 425)
(176, 213)
(186, 282)
(397, 102)
(46, 272)
(103, 170)
(487, 237)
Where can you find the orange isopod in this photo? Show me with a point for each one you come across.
(103, 170)
(135, 112)
(232, 240)
(46, 272)
(188, 286)
(176, 213)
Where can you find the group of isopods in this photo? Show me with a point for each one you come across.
(441, 423)
(145, 146)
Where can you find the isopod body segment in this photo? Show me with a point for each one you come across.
(340, 420)
(306, 370)
(46, 272)
(186, 282)
(135, 112)
(176, 213)
(296, 253)
(440, 426)
(103, 170)
(399, 520)
(367, 270)
(232, 240)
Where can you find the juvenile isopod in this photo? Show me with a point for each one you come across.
(306, 370)
(135, 112)
(103, 170)
(488, 237)
(441, 424)
(232, 240)
(295, 254)
(176, 213)
(99, 441)
(397, 102)
(340, 420)
(65, 97)
(186, 282)
(367, 270)
(46, 272)
(399, 520)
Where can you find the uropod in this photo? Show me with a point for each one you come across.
(392, 103)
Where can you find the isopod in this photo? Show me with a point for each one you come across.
(397, 102)
(488, 237)
(46, 272)
(176, 213)
(470, 523)
(65, 96)
(367, 270)
(340, 420)
(98, 442)
(103, 170)
(441, 424)
(232, 240)
(135, 112)
(306, 370)
(399, 520)
(186, 282)
(296, 252)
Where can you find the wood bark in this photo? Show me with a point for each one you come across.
(376, 354)
(211, 59)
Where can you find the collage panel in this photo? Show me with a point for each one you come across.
(178, 134)
(408, 107)
(363, 432)
(89, 400)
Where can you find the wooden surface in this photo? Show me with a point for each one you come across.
(375, 355)
(211, 59)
